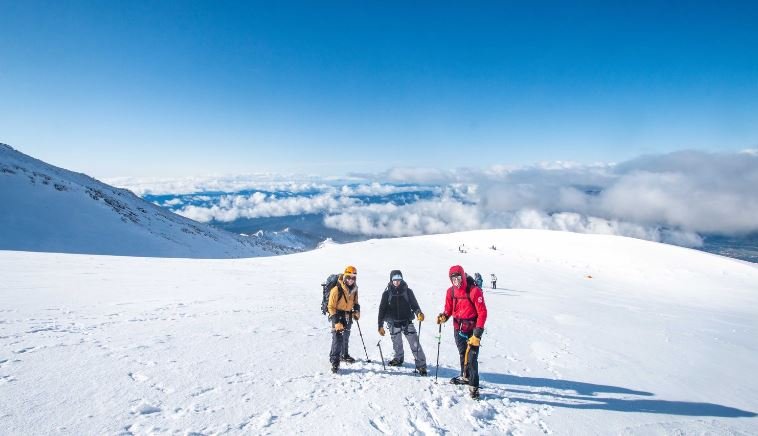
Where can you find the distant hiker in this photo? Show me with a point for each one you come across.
(493, 279)
(479, 280)
(396, 309)
(343, 308)
(464, 301)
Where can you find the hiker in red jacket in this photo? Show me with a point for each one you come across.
(464, 302)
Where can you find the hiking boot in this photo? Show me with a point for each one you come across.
(422, 371)
(474, 392)
(348, 358)
(459, 380)
(335, 367)
(395, 362)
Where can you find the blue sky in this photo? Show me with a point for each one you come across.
(186, 88)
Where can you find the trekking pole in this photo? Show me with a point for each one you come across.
(364, 344)
(439, 341)
(379, 344)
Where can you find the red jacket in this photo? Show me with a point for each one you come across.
(461, 308)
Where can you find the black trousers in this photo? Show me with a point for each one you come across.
(471, 370)
(341, 340)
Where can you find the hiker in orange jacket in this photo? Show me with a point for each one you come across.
(343, 308)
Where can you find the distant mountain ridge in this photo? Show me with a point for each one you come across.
(51, 209)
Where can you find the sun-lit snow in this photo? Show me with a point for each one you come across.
(586, 334)
(46, 208)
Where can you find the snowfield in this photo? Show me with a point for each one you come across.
(587, 334)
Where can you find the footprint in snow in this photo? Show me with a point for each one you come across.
(6, 379)
(265, 420)
(201, 391)
(379, 424)
(145, 408)
(138, 377)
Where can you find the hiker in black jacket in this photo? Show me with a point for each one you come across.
(396, 310)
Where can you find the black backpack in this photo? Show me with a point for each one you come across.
(326, 287)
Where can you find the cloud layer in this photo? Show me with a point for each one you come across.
(673, 198)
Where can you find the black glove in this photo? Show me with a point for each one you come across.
(478, 332)
(356, 308)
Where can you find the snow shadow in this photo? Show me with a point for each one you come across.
(505, 292)
(591, 396)
(581, 388)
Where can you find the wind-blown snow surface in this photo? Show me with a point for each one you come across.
(46, 208)
(660, 340)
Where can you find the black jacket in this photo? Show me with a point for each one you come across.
(395, 307)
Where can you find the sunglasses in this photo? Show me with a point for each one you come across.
(349, 277)
(455, 276)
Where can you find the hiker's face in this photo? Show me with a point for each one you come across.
(396, 283)
(350, 279)
(456, 280)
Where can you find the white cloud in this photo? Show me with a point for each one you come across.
(688, 191)
(172, 202)
(423, 217)
(331, 199)
(446, 216)
(669, 198)
(380, 189)
(257, 205)
(415, 175)
(574, 222)
(191, 185)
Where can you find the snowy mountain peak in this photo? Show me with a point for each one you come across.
(325, 243)
(51, 209)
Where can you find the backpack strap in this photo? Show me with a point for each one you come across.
(404, 294)
(340, 290)
(469, 285)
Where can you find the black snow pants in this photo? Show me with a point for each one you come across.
(341, 340)
(471, 370)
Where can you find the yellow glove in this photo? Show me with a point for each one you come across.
(420, 316)
(441, 318)
(381, 331)
(356, 315)
(339, 327)
(474, 341)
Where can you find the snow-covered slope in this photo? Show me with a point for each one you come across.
(45, 208)
(586, 334)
